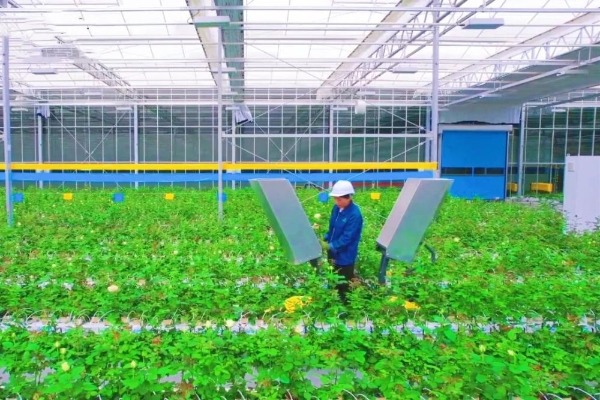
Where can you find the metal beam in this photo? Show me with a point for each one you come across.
(521, 162)
(95, 68)
(112, 79)
(6, 136)
(544, 47)
(269, 61)
(368, 46)
(571, 97)
(208, 36)
(344, 8)
(326, 135)
(435, 109)
(100, 72)
(210, 103)
(399, 48)
(233, 42)
(524, 81)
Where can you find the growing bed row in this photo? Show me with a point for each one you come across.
(273, 364)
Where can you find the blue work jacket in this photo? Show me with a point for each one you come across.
(345, 229)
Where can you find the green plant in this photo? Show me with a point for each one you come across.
(509, 308)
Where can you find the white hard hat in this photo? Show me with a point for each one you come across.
(341, 188)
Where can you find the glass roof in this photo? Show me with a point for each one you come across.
(464, 48)
(296, 43)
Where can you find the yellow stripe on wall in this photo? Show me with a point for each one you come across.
(311, 166)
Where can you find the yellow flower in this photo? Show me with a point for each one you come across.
(296, 301)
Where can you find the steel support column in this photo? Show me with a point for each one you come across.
(40, 144)
(435, 113)
(136, 139)
(6, 113)
(520, 166)
(428, 129)
(233, 142)
(331, 139)
(220, 122)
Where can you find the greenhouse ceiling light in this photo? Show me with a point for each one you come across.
(43, 71)
(483, 23)
(572, 72)
(224, 70)
(399, 69)
(211, 21)
(339, 108)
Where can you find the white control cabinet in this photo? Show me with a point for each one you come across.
(582, 193)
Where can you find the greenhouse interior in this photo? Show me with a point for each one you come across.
(300, 199)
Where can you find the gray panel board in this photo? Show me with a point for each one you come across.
(288, 219)
(413, 213)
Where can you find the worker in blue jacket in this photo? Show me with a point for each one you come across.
(342, 239)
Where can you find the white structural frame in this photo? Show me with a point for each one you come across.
(7, 128)
(397, 38)
(220, 124)
(354, 58)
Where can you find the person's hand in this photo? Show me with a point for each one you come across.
(324, 245)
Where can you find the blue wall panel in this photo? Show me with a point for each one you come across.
(477, 161)
(470, 187)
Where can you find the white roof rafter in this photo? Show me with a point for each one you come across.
(306, 44)
(106, 62)
(369, 47)
(209, 38)
(544, 47)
